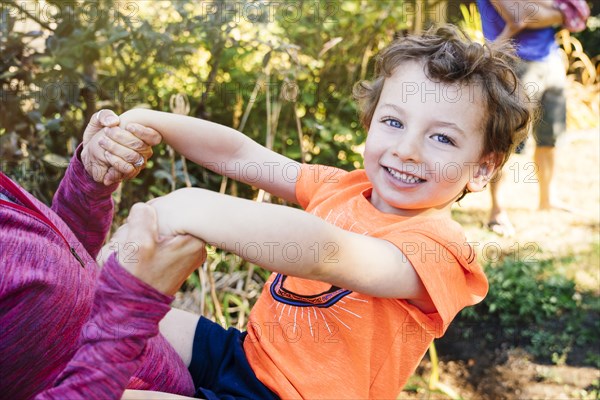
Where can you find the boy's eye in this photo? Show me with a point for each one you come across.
(445, 139)
(394, 123)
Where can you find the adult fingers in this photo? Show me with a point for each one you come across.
(119, 165)
(96, 170)
(105, 118)
(141, 240)
(135, 157)
(112, 176)
(101, 119)
(180, 255)
(148, 135)
(188, 244)
(127, 139)
(143, 222)
(93, 160)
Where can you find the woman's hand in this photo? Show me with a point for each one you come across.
(162, 262)
(111, 154)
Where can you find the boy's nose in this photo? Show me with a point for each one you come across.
(408, 148)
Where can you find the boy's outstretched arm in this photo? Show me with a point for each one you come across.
(222, 150)
(292, 242)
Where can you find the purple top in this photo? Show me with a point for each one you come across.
(532, 44)
(48, 276)
(125, 315)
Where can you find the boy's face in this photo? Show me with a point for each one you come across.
(424, 143)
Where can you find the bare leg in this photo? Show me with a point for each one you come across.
(499, 222)
(150, 395)
(179, 327)
(544, 159)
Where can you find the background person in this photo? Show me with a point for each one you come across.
(543, 75)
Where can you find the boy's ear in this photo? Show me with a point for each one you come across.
(482, 173)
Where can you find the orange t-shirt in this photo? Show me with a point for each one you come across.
(311, 340)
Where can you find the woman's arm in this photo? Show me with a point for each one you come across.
(83, 200)
(126, 314)
(531, 14)
(290, 241)
(222, 150)
(134, 291)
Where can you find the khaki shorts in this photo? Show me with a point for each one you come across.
(545, 83)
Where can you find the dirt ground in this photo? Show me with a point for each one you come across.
(511, 373)
(507, 375)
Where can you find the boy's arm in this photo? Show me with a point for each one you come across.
(223, 150)
(291, 242)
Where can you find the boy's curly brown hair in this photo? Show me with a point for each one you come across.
(449, 56)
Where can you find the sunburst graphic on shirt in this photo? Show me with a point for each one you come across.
(341, 219)
(329, 307)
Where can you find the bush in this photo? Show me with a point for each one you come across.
(531, 304)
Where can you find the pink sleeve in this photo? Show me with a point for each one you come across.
(125, 316)
(84, 205)
(162, 370)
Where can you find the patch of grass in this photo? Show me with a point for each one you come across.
(538, 304)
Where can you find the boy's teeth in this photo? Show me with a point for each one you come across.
(403, 177)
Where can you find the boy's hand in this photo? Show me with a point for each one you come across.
(162, 262)
(169, 212)
(110, 153)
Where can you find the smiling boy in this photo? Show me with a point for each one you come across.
(374, 268)
(422, 153)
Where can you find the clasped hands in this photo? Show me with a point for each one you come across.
(111, 154)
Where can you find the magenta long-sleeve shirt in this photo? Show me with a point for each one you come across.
(48, 276)
(125, 315)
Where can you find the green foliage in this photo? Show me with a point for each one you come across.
(60, 64)
(533, 304)
(519, 294)
(280, 72)
(589, 38)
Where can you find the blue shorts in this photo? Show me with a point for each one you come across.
(219, 365)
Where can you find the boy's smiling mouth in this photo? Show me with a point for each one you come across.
(403, 176)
